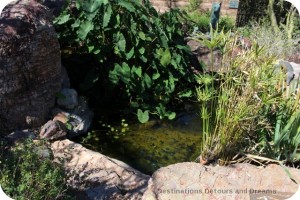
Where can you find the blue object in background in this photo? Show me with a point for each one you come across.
(234, 4)
(215, 14)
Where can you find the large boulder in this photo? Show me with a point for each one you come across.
(239, 181)
(97, 176)
(30, 65)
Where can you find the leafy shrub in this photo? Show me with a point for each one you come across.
(227, 23)
(25, 175)
(201, 20)
(143, 54)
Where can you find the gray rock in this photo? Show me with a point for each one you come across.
(78, 119)
(101, 177)
(289, 70)
(296, 68)
(53, 130)
(20, 136)
(204, 56)
(239, 181)
(68, 98)
(30, 65)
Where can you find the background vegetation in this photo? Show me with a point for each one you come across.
(26, 172)
(142, 56)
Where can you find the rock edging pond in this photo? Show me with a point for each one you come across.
(97, 175)
(101, 177)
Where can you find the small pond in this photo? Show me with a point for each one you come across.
(148, 146)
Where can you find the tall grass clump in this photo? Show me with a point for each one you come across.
(244, 106)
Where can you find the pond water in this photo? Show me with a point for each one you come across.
(149, 146)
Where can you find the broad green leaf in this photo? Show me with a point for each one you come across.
(159, 52)
(130, 53)
(155, 76)
(187, 93)
(123, 72)
(107, 15)
(147, 80)
(133, 26)
(113, 75)
(121, 42)
(84, 29)
(161, 110)
(96, 51)
(76, 24)
(91, 48)
(137, 71)
(142, 35)
(92, 6)
(117, 24)
(63, 19)
(172, 83)
(166, 58)
(128, 5)
(175, 65)
(143, 117)
(125, 68)
(171, 115)
(142, 50)
(143, 58)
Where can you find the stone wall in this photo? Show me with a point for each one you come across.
(164, 5)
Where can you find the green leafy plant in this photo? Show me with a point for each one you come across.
(199, 20)
(226, 23)
(202, 20)
(142, 53)
(25, 174)
(143, 116)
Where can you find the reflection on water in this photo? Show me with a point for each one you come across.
(150, 146)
